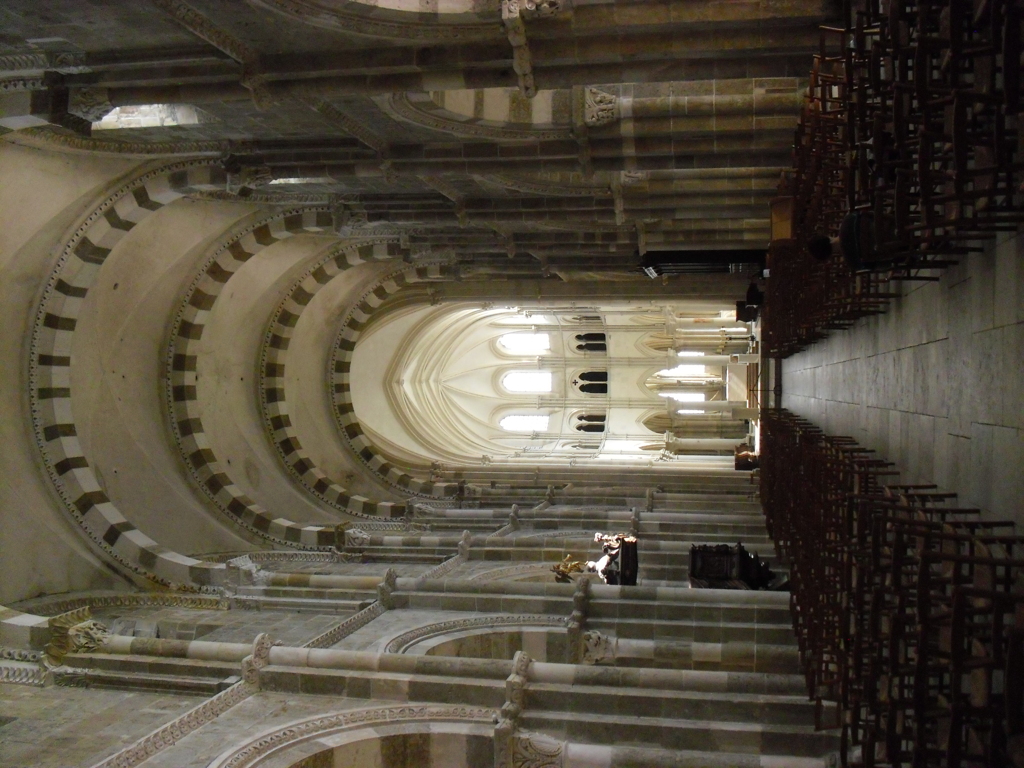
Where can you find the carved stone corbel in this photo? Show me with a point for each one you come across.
(537, 750)
(599, 108)
(539, 9)
(73, 632)
(578, 618)
(522, 61)
(386, 589)
(260, 657)
(508, 717)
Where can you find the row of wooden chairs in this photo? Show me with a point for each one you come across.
(911, 119)
(909, 609)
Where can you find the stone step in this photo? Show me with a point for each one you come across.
(698, 632)
(142, 681)
(775, 709)
(684, 758)
(492, 603)
(299, 603)
(148, 673)
(759, 610)
(745, 738)
(726, 656)
(161, 665)
(384, 685)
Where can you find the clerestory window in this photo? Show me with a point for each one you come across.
(527, 381)
(527, 344)
(525, 422)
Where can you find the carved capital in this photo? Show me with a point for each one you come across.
(248, 176)
(540, 9)
(87, 636)
(356, 537)
(597, 647)
(259, 658)
(599, 108)
(464, 544)
(537, 750)
(386, 589)
(90, 104)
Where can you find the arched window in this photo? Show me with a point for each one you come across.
(525, 422)
(591, 342)
(527, 381)
(525, 343)
(592, 382)
(590, 422)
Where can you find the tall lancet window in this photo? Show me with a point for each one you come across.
(525, 422)
(527, 381)
(527, 344)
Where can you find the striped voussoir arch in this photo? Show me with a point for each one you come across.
(274, 358)
(77, 268)
(341, 365)
(186, 424)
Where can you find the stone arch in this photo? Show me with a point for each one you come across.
(182, 397)
(60, 305)
(273, 362)
(298, 741)
(420, 640)
(341, 365)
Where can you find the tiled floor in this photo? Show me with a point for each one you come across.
(935, 385)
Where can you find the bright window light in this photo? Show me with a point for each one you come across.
(620, 446)
(685, 397)
(521, 422)
(304, 180)
(682, 370)
(151, 116)
(527, 381)
(685, 353)
(689, 410)
(525, 343)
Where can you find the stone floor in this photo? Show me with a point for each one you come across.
(936, 384)
(70, 727)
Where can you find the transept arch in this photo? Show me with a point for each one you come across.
(50, 362)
